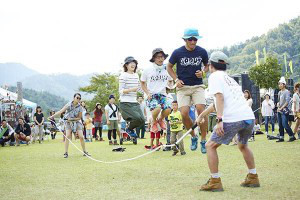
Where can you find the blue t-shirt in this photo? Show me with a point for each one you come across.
(187, 63)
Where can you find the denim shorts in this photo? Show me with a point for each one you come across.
(243, 129)
(158, 101)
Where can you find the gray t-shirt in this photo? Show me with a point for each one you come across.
(283, 97)
(73, 111)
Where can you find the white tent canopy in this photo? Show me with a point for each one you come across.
(5, 94)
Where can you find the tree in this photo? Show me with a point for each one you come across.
(102, 85)
(266, 75)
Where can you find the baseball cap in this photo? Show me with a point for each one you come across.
(111, 96)
(158, 50)
(191, 32)
(219, 57)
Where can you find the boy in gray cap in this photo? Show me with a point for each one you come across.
(234, 116)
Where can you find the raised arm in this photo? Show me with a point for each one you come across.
(60, 112)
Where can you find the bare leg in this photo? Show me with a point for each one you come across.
(151, 142)
(69, 136)
(81, 138)
(164, 114)
(17, 140)
(187, 121)
(212, 156)
(248, 155)
(157, 142)
(204, 127)
(296, 126)
(155, 114)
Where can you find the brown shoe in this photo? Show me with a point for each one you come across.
(110, 142)
(251, 180)
(213, 185)
(101, 139)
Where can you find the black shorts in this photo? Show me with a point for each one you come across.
(291, 118)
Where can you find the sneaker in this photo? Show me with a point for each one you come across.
(251, 180)
(292, 139)
(101, 139)
(203, 148)
(86, 153)
(174, 153)
(110, 142)
(167, 149)
(154, 147)
(66, 155)
(154, 127)
(183, 153)
(213, 185)
(162, 124)
(280, 140)
(194, 143)
(115, 142)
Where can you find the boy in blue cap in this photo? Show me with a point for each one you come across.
(189, 60)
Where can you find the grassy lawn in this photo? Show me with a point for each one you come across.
(39, 171)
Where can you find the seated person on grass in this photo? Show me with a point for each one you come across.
(22, 132)
(6, 132)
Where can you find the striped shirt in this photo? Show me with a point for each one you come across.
(127, 81)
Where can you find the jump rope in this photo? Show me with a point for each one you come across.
(136, 157)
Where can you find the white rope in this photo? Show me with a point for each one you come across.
(129, 159)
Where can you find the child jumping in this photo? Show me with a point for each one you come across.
(154, 82)
(176, 124)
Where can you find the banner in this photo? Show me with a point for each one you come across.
(257, 55)
(265, 54)
(285, 63)
(291, 66)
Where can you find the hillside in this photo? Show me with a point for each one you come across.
(283, 39)
(13, 72)
(46, 100)
(63, 85)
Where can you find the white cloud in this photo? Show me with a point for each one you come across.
(81, 37)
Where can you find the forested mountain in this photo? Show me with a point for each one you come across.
(63, 85)
(44, 99)
(278, 41)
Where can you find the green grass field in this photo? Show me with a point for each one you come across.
(39, 171)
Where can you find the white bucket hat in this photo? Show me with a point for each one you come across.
(282, 80)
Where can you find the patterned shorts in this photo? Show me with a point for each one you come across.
(243, 129)
(159, 101)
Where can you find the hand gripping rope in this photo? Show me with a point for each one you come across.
(136, 157)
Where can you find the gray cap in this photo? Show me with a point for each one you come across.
(158, 50)
(219, 57)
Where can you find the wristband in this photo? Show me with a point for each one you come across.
(176, 80)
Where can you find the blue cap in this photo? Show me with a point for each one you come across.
(111, 96)
(191, 32)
